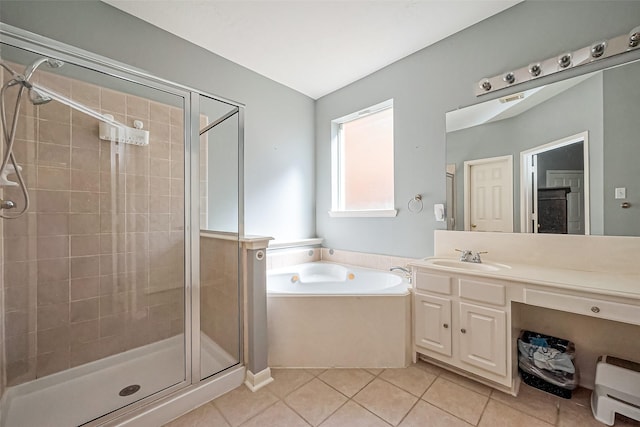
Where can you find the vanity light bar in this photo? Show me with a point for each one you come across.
(595, 52)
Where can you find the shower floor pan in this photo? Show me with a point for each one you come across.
(81, 394)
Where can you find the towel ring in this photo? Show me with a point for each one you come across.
(415, 204)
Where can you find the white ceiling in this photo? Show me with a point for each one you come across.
(313, 46)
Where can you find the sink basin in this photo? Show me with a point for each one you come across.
(470, 266)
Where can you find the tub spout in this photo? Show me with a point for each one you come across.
(406, 272)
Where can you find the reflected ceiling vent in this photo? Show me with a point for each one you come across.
(511, 98)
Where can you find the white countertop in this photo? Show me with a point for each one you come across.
(603, 283)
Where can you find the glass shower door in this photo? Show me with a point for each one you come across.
(219, 236)
(94, 271)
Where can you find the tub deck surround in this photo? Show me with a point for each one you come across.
(458, 310)
(346, 326)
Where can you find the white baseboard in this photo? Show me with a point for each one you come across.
(255, 382)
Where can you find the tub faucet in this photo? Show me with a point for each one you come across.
(406, 271)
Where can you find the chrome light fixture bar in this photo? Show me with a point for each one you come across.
(596, 51)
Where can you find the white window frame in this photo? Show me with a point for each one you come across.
(337, 167)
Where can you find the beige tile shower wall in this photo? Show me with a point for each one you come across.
(96, 266)
(219, 310)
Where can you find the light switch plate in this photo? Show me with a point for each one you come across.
(621, 193)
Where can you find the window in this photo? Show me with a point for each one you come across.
(362, 163)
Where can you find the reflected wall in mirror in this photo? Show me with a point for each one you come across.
(583, 125)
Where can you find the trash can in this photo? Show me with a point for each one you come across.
(546, 363)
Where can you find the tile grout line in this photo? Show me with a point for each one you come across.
(442, 409)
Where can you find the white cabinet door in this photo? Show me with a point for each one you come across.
(433, 323)
(483, 338)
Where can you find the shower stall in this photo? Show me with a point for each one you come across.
(120, 267)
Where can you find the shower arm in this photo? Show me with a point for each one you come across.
(77, 106)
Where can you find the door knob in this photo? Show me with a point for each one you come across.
(446, 325)
(473, 225)
(463, 330)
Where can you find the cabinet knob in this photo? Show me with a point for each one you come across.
(446, 325)
(595, 309)
(463, 330)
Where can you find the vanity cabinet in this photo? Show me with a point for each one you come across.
(462, 322)
(483, 337)
(432, 324)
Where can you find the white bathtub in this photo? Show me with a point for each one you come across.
(328, 279)
(329, 315)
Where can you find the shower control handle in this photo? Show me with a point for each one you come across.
(7, 204)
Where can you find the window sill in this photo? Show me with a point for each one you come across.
(375, 213)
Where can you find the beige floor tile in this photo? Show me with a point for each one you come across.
(532, 401)
(466, 382)
(240, 404)
(287, 380)
(315, 401)
(432, 369)
(581, 396)
(374, 371)
(386, 400)
(315, 371)
(347, 381)
(414, 380)
(456, 399)
(205, 415)
(278, 415)
(353, 415)
(425, 414)
(500, 415)
(578, 415)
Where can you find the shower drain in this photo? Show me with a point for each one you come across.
(129, 390)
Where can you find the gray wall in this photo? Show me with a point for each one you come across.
(622, 152)
(279, 128)
(438, 79)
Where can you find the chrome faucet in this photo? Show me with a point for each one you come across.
(406, 271)
(465, 255)
(476, 257)
(468, 256)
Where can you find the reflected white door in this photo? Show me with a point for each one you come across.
(575, 199)
(489, 194)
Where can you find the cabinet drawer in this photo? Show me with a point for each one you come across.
(433, 282)
(483, 292)
(587, 306)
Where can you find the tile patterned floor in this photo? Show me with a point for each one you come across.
(421, 395)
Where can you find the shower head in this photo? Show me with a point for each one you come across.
(52, 63)
(37, 97)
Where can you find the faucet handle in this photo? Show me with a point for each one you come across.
(464, 254)
(476, 258)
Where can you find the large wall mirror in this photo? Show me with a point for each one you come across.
(562, 158)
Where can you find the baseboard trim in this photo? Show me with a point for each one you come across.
(255, 382)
